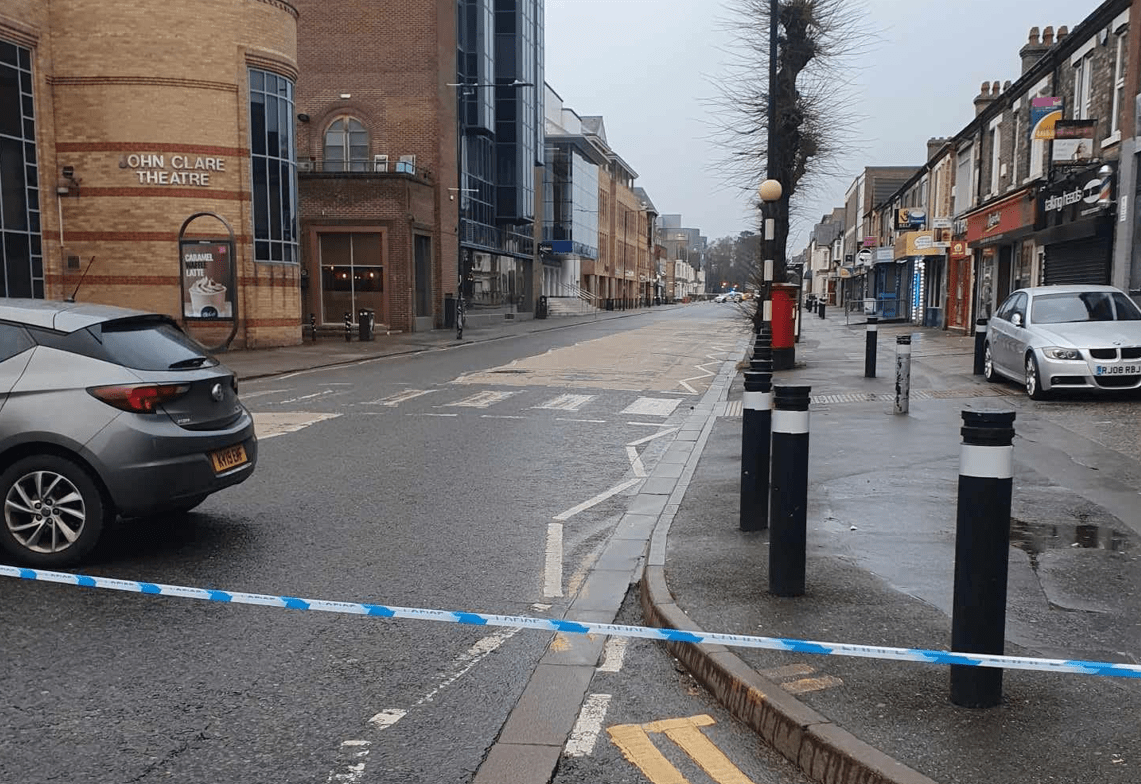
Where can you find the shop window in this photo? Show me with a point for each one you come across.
(21, 245)
(352, 275)
(273, 162)
(346, 146)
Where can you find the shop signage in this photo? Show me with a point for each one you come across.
(864, 257)
(916, 243)
(1044, 113)
(1011, 217)
(207, 279)
(959, 250)
(178, 169)
(870, 242)
(1073, 142)
(884, 255)
(942, 231)
(1083, 195)
(910, 218)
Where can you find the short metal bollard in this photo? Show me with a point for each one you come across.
(870, 347)
(348, 327)
(313, 326)
(902, 374)
(980, 346)
(982, 544)
(823, 303)
(756, 435)
(788, 517)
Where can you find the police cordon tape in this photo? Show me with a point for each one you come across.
(582, 627)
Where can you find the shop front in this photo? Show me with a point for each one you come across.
(924, 261)
(997, 233)
(1075, 227)
(959, 287)
(891, 285)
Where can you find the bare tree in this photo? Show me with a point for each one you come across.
(819, 45)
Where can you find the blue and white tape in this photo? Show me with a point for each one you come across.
(584, 627)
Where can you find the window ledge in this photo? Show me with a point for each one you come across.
(1111, 140)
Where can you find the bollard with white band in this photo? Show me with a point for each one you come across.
(980, 346)
(902, 374)
(870, 347)
(820, 306)
(348, 327)
(756, 432)
(982, 545)
(788, 517)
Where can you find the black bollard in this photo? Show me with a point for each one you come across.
(823, 304)
(980, 345)
(788, 517)
(870, 348)
(756, 436)
(313, 325)
(348, 327)
(902, 374)
(982, 543)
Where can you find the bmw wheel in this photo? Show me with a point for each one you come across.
(53, 511)
(1033, 382)
(988, 364)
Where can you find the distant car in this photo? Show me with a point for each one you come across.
(106, 411)
(721, 297)
(1053, 338)
(729, 296)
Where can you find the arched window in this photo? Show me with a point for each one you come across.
(346, 146)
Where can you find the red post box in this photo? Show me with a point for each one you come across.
(784, 296)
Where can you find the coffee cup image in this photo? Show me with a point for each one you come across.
(207, 298)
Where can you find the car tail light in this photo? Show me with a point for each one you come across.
(140, 399)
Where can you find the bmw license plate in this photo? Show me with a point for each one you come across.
(232, 457)
(1118, 370)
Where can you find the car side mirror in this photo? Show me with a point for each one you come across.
(1016, 319)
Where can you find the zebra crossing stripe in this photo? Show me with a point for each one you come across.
(481, 400)
(567, 402)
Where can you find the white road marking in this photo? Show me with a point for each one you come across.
(652, 406)
(648, 439)
(598, 499)
(386, 718)
(432, 415)
(553, 568)
(644, 424)
(588, 727)
(500, 416)
(399, 397)
(636, 462)
(705, 373)
(540, 607)
(271, 425)
(613, 654)
(567, 402)
(322, 393)
(248, 395)
(586, 421)
(482, 399)
(466, 661)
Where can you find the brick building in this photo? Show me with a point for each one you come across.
(115, 128)
(420, 134)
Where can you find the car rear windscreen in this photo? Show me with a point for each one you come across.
(149, 345)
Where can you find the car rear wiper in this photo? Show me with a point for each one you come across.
(191, 362)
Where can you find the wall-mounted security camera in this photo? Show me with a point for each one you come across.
(303, 118)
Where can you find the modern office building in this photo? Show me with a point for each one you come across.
(116, 128)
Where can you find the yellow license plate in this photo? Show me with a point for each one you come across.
(225, 459)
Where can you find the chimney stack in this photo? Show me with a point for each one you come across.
(934, 145)
(985, 97)
(1034, 49)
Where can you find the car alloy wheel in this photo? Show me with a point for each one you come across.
(988, 363)
(53, 511)
(1033, 383)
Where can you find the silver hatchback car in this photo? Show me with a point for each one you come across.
(1066, 337)
(106, 411)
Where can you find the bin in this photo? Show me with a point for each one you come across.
(541, 309)
(449, 311)
(366, 321)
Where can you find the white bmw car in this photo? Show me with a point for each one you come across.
(1054, 338)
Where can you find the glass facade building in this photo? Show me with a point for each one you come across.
(570, 196)
(21, 245)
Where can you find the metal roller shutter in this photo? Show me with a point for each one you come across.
(1081, 262)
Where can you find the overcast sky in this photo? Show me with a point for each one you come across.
(646, 65)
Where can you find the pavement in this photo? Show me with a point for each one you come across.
(881, 530)
(332, 351)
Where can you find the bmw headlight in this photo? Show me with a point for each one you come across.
(1062, 353)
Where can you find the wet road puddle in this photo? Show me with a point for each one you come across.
(1037, 538)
